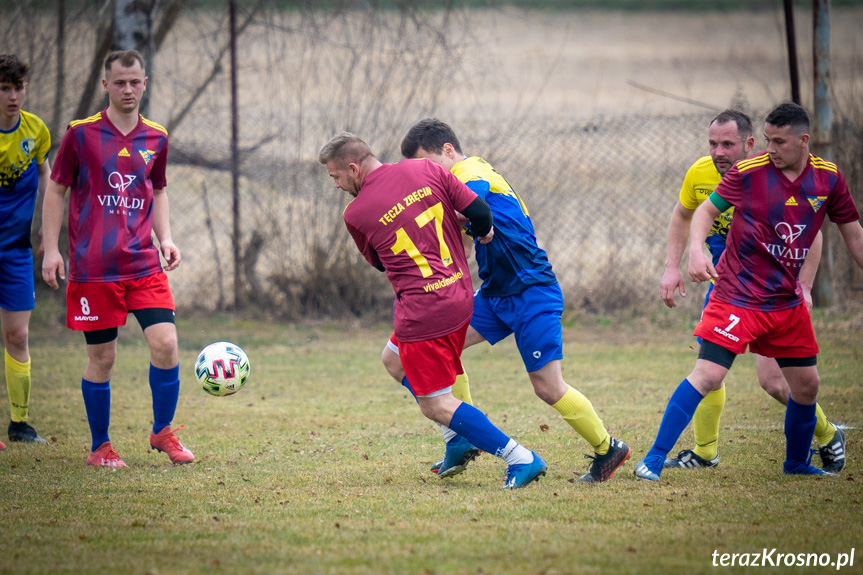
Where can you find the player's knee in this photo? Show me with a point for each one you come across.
(15, 337)
(776, 387)
(102, 357)
(393, 364)
(163, 349)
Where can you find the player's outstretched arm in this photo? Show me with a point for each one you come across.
(700, 266)
(162, 227)
(852, 233)
(52, 220)
(678, 233)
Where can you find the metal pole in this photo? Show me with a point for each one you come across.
(792, 50)
(235, 156)
(822, 124)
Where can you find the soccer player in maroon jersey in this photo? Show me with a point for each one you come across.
(404, 220)
(114, 163)
(780, 199)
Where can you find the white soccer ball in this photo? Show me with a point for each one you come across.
(222, 368)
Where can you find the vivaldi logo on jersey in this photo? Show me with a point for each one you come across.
(783, 229)
(789, 256)
(120, 203)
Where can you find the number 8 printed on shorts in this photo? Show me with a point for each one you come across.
(85, 306)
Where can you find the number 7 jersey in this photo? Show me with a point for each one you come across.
(112, 177)
(405, 219)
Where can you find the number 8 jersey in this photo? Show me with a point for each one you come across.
(404, 218)
(112, 177)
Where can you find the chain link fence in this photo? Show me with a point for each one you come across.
(600, 190)
(600, 194)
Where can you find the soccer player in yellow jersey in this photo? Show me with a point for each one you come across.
(730, 139)
(519, 296)
(24, 171)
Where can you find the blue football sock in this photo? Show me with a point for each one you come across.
(799, 428)
(472, 424)
(679, 411)
(97, 403)
(408, 386)
(165, 385)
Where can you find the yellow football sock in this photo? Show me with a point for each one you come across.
(579, 413)
(18, 385)
(461, 388)
(824, 430)
(705, 424)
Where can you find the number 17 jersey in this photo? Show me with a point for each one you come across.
(404, 218)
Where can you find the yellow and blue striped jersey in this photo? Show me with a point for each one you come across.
(700, 181)
(22, 150)
(512, 261)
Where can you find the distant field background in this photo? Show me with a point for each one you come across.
(592, 115)
(321, 464)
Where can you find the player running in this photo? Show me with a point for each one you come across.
(404, 220)
(730, 139)
(519, 295)
(781, 198)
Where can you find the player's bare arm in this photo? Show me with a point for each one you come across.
(806, 277)
(44, 171)
(678, 233)
(852, 233)
(162, 228)
(52, 220)
(700, 266)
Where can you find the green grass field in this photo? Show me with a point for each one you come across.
(320, 465)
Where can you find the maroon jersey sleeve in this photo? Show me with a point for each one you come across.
(730, 188)
(840, 206)
(64, 165)
(364, 246)
(157, 174)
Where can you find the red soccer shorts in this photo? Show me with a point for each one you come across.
(433, 364)
(785, 333)
(93, 306)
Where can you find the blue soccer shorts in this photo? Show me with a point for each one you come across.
(533, 316)
(17, 287)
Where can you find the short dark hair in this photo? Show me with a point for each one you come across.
(429, 134)
(127, 58)
(12, 69)
(789, 114)
(345, 147)
(744, 123)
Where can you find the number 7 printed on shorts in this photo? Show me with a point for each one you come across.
(734, 321)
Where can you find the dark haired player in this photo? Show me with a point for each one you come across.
(24, 171)
(404, 220)
(781, 198)
(730, 140)
(519, 296)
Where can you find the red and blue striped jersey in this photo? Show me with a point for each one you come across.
(775, 222)
(112, 177)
